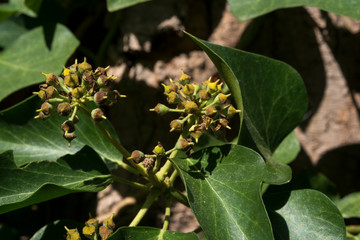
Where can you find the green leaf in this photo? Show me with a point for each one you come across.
(44, 180)
(34, 139)
(247, 9)
(349, 205)
(28, 7)
(10, 30)
(223, 188)
(273, 98)
(114, 5)
(21, 62)
(288, 149)
(148, 233)
(56, 230)
(304, 214)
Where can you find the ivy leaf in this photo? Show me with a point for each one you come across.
(10, 30)
(149, 233)
(22, 61)
(349, 205)
(34, 139)
(288, 149)
(44, 180)
(114, 5)
(28, 7)
(223, 188)
(56, 230)
(248, 9)
(272, 94)
(304, 214)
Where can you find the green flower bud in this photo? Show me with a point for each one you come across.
(68, 126)
(46, 108)
(71, 80)
(103, 81)
(89, 231)
(222, 97)
(213, 86)
(204, 94)
(173, 98)
(188, 89)
(231, 111)
(191, 107)
(72, 234)
(196, 135)
(159, 149)
(109, 223)
(137, 156)
(184, 78)
(51, 79)
(77, 92)
(50, 92)
(100, 98)
(97, 114)
(160, 109)
(41, 94)
(64, 109)
(176, 125)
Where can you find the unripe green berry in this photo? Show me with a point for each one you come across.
(68, 126)
(184, 144)
(210, 111)
(196, 135)
(100, 98)
(204, 94)
(160, 109)
(51, 79)
(89, 231)
(184, 78)
(97, 114)
(213, 86)
(109, 222)
(222, 97)
(72, 234)
(191, 107)
(71, 80)
(103, 81)
(137, 156)
(84, 66)
(77, 92)
(188, 89)
(64, 109)
(231, 111)
(46, 108)
(41, 94)
(50, 92)
(176, 125)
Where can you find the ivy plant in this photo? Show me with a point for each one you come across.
(60, 140)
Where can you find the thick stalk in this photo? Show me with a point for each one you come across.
(179, 196)
(154, 193)
(167, 214)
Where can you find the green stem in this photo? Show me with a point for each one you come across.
(167, 214)
(166, 168)
(179, 196)
(173, 177)
(130, 183)
(154, 193)
(74, 113)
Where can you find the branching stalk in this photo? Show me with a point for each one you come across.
(130, 183)
(154, 193)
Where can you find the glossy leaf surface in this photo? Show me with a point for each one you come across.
(114, 5)
(304, 214)
(148, 233)
(272, 94)
(44, 180)
(223, 188)
(349, 206)
(56, 230)
(23, 61)
(34, 139)
(247, 9)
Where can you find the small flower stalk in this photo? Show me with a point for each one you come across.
(73, 89)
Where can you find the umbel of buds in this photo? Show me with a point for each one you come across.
(73, 89)
(202, 107)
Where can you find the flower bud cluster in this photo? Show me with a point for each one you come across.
(77, 85)
(203, 107)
